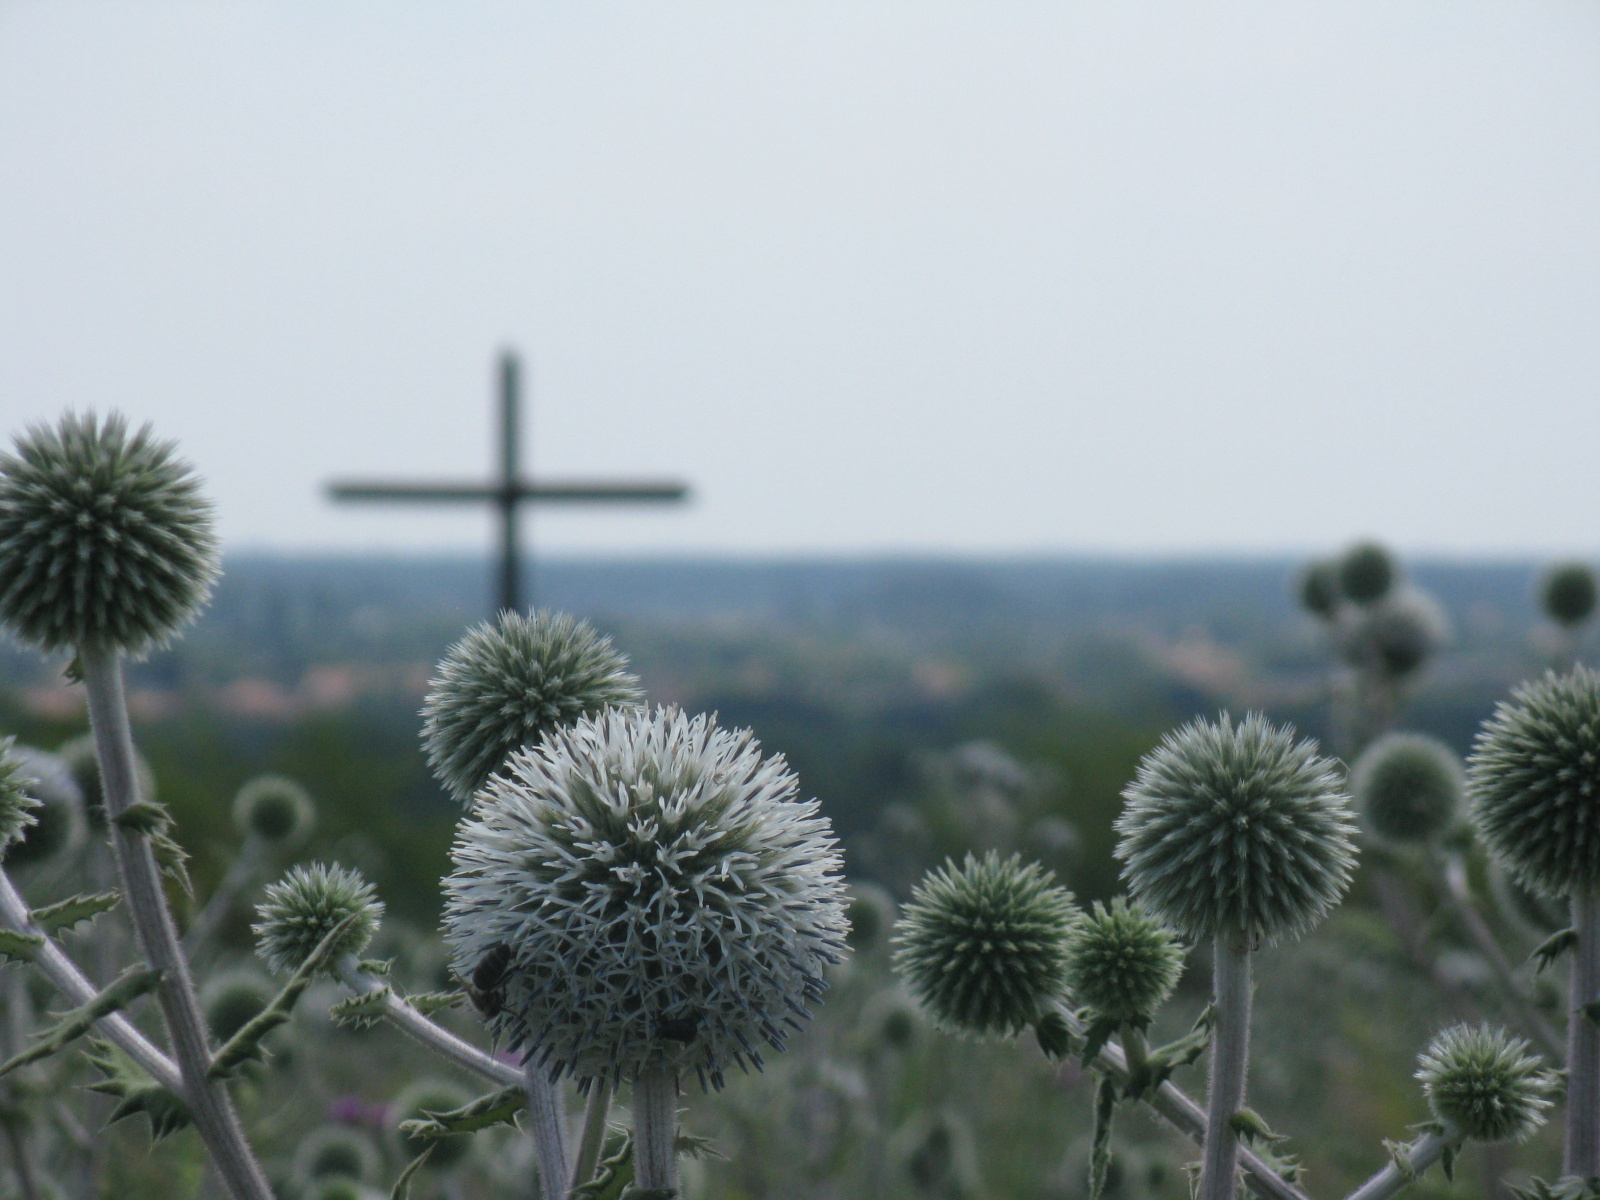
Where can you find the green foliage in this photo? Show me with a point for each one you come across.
(68, 914)
(136, 1093)
(495, 1108)
(74, 1023)
(421, 1105)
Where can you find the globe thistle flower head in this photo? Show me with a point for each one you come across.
(105, 539)
(336, 1151)
(1533, 782)
(1122, 963)
(871, 916)
(16, 806)
(645, 888)
(1484, 1084)
(507, 684)
(275, 809)
(1320, 590)
(1567, 593)
(1236, 829)
(232, 999)
(57, 824)
(983, 945)
(429, 1097)
(1408, 786)
(1397, 634)
(1366, 572)
(305, 906)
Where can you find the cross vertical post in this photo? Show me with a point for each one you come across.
(510, 485)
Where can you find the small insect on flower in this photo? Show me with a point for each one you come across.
(1485, 1085)
(305, 906)
(644, 889)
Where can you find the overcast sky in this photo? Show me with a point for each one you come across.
(1002, 276)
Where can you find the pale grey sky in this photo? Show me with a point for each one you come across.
(998, 276)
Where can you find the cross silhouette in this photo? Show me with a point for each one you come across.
(509, 492)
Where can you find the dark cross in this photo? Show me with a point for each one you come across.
(510, 490)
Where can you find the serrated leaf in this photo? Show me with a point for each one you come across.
(75, 1022)
(245, 1045)
(1248, 1125)
(1054, 1034)
(19, 947)
(614, 1173)
(428, 1003)
(1105, 1104)
(1399, 1155)
(496, 1108)
(363, 1011)
(402, 1186)
(375, 966)
(73, 911)
(1162, 1062)
(690, 1145)
(145, 816)
(1095, 1036)
(1553, 947)
(171, 858)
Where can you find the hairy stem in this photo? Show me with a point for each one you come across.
(595, 1114)
(209, 1104)
(1230, 1052)
(1583, 1042)
(71, 983)
(436, 1038)
(655, 1129)
(1420, 1155)
(547, 1122)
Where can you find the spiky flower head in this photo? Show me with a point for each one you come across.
(510, 682)
(645, 887)
(1366, 572)
(1122, 963)
(232, 999)
(983, 945)
(1567, 593)
(275, 809)
(336, 1151)
(1533, 779)
(1408, 786)
(106, 541)
(1395, 635)
(1237, 829)
(1320, 589)
(1484, 1084)
(871, 916)
(16, 806)
(58, 819)
(84, 764)
(305, 906)
(426, 1098)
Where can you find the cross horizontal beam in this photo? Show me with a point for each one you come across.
(571, 490)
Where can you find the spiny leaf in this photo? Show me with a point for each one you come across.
(614, 1173)
(693, 1146)
(1105, 1103)
(496, 1108)
(19, 947)
(1399, 1154)
(1163, 1061)
(74, 1023)
(245, 1046)
(1568, 1187)
(402, 1186)
(363, 1011)
(1054, 1034)
(1099, 1032)
(376, 966)
(144, 816)
(65, 914)
(171, 857)
(1249, 1126)
(428, 1003)
(1552, 948)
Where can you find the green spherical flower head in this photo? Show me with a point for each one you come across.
(274, 809)
(1122, 963)
(336, 1151)
(424, 1098)
(58, 819)
(645, 888)
(1408, 786)
(232, 999)
(1485, 1084)
(1366, 572)
(1396, 635)
(871, 916)
(16, 806)
(1237, 830)
(1320, 590)
(305, 906)
(84, 765)
(1567, 593)
(1533, 779)
(507, 684)
(983, 945)
(339, 1187)
(105, 539)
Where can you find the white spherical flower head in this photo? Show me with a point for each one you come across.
(644, 888)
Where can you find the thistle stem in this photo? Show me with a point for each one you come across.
(595, 1114)
(1420, 1155)
(209, 1104)
(71, 983)
(436, 1038)
(655, 1129)
(547, 1122)
(1583, 1042)
(1230, 1052)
